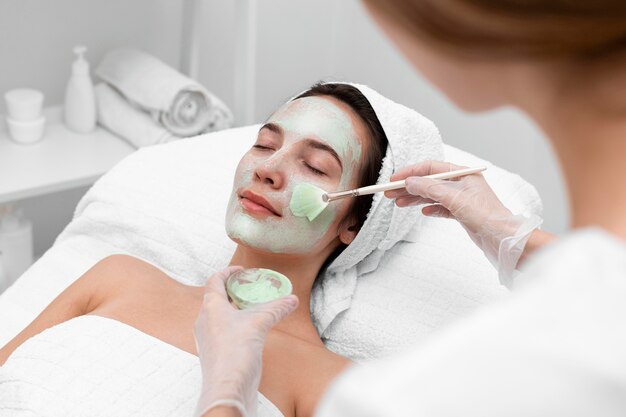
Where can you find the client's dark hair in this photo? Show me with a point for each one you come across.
(374, 153)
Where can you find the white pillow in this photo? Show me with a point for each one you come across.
(166, 204)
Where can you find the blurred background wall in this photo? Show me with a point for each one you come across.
(254, 55)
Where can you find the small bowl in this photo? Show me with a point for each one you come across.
(253, 286)
(26, 132)
(24, 104)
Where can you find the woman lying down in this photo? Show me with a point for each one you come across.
(119, 340)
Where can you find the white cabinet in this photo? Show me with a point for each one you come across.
(60, 161)
(47, 178)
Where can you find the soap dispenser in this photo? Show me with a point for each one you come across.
(80, 98)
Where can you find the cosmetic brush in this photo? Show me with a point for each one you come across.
(309, 201)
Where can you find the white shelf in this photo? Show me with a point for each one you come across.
(61, 160)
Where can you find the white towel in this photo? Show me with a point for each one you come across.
(412, 138)
(178, 103)
(95, 366)
(429, 282)
(126, 120)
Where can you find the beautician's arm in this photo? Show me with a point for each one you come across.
(230, 347)
(506, 239)
(223, 412)
(537, 240)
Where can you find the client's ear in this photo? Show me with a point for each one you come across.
(348, 232)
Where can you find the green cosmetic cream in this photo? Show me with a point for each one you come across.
(257, 285)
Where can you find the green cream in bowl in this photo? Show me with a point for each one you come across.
(253, 286)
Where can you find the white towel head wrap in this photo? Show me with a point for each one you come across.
(411, 138)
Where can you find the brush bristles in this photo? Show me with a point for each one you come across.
(307, 201)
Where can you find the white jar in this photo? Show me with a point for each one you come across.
(16, 243)
(24, 104)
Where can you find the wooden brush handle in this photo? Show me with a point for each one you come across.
(371, 189)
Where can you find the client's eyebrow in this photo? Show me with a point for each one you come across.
(272, 127)
(324, 147)
(310, 142)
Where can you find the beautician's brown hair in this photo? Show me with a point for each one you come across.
(580, 30)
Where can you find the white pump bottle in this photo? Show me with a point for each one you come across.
(80, 99)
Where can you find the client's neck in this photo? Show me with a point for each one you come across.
(301, 270)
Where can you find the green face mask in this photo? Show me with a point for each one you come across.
(300, 119)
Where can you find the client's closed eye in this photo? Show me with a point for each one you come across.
(262, 147)
(314, 170)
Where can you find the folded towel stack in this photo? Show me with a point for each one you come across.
(147, 102)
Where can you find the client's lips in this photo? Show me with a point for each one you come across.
(256, 203)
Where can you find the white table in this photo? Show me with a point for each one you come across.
(61, 160)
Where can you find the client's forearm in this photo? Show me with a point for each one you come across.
(537, 239)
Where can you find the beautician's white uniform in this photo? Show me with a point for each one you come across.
(556, 348)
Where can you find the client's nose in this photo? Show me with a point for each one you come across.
(269, 172)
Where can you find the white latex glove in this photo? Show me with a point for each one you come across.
(499, 233)
(230, 346)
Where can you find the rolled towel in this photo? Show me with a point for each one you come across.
(129, 122)
(178, 103)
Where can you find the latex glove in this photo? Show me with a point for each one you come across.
(499, 233)
(230, 346)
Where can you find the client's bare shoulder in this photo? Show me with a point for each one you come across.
(81, 297)
(142, 296)
(117, 277)
(308, 367)
(120, 274)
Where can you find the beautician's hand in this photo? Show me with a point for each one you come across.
(500, 234)
(230, 346)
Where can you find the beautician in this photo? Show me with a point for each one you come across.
(557, 346)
